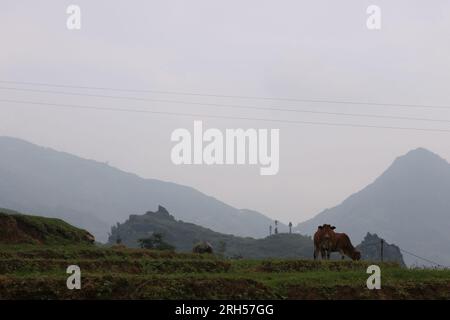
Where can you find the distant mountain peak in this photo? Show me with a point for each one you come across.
(421, 155)
(419, 162)
(161, 213)
(408, 204)
(161, 209)
(421, 150)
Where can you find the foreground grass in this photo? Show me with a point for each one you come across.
(33, 272)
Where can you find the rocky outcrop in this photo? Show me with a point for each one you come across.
(370, 249)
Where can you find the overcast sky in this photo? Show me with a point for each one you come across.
(287, 49)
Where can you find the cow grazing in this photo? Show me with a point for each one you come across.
(327, 241)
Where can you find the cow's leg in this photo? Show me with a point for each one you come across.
(316, 253)
(323, 253)
(342, 255)
(328, 254)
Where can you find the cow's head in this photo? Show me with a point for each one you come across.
(327, 231)
(326, 235)
(356, 255)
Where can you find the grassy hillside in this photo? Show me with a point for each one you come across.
(38, 272)
(35, 253)
(16, 228)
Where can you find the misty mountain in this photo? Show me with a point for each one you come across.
(409, 204)
(94, 196)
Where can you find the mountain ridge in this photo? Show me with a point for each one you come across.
(94, 195)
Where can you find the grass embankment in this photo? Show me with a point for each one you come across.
(17, 228)
(38, 272)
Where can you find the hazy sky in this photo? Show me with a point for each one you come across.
(287, 49)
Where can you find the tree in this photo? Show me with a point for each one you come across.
(155, 242)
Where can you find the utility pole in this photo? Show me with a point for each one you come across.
(270, 230)
(290, 227)
(382, 249)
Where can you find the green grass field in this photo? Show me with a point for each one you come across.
(39, 272)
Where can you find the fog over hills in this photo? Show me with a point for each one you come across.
(95, 196)
(409, 204)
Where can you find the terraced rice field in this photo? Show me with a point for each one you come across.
(39, 272)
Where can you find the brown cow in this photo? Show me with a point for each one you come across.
(323, 241)
(327, 241)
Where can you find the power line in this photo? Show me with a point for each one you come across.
(220, 117)
(272, 108)
(328, 101)
(424, 259)
(377, 243)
